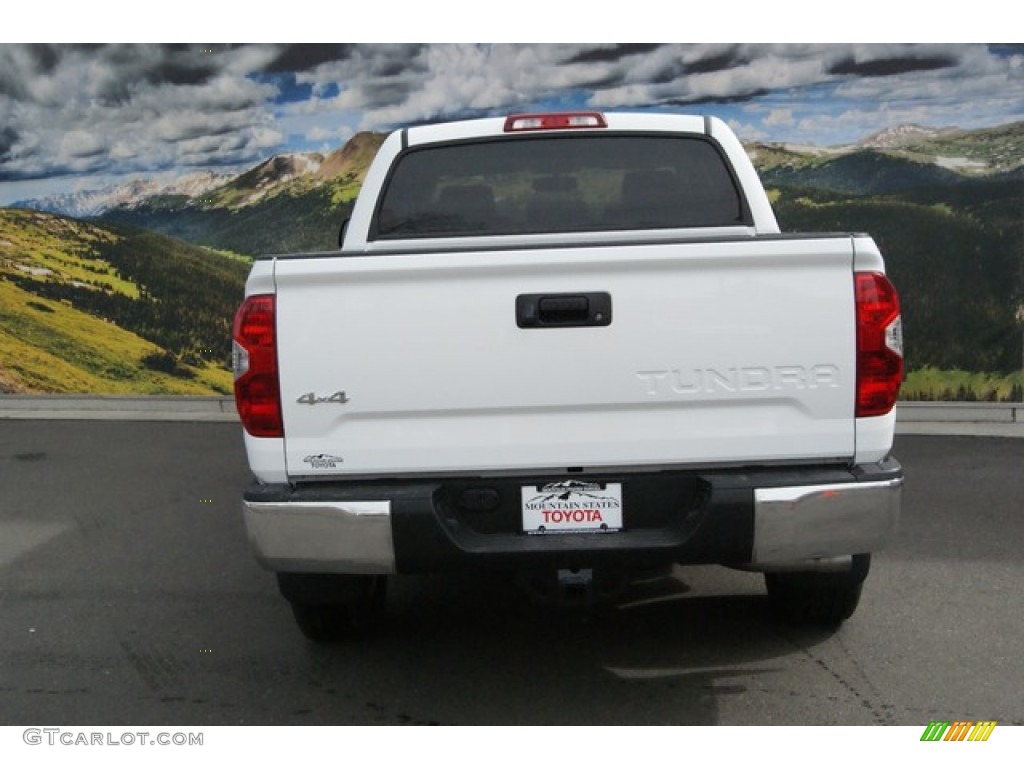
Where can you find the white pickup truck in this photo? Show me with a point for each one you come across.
(572, 347)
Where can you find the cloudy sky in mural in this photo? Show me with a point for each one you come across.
(74, 117)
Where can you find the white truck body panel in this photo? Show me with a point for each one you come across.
(718, 353)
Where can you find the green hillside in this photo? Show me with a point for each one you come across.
(999, 149)
(957, 260)
(298, 219)
(862, 173)
(99, 309)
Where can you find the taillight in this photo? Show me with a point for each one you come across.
(553, 121)
(254, 359)
(879, 344)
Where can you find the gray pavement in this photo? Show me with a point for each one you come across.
(128, 596)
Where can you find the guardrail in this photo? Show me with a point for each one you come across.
(118, 408)
(977, 413)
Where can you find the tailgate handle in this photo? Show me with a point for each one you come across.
(563, 310)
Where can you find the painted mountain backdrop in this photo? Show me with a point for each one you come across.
(87, 307)
(139, 296)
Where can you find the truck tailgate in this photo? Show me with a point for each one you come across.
(729, 352)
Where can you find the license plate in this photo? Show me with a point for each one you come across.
(572, 506)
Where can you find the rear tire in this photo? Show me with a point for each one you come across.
(818, 599)
(329, 608)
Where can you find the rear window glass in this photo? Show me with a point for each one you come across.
(558, 184)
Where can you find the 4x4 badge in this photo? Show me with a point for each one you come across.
(311, 398)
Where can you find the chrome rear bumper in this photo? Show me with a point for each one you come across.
(321, 536)
(817, 527)
(748, 521)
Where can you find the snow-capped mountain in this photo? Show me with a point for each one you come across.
(900, 136)
(93, 202)
(268, 177)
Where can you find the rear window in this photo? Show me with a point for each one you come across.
(544, 184)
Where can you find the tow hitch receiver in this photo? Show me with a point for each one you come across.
(574, 586)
